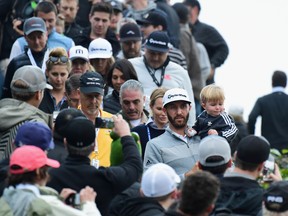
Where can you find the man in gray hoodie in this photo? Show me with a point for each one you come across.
(27, 89)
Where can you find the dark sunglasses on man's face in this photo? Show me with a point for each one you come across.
(62, 59)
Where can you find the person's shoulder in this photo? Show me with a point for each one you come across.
(106, 114)
(136, 60)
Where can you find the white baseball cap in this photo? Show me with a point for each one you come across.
(100, 48)
(76, 52)
(175, 94)
(159, 180)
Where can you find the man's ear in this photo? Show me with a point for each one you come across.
(210, 208)
(229, 163)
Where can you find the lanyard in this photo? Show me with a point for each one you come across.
(33, 62)
(153, 74)
(148, 133)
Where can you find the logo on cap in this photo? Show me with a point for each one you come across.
(79, 51)
(131, 32)
(152, 41)
(176, 95)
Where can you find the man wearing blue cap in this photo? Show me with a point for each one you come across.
(154, 69)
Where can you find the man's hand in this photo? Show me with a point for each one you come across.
(121, 127)
(87, 194)
(66, 192)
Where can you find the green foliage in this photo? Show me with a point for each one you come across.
(282, 161)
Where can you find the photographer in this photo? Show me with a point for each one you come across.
(76, 172)
(27, 193)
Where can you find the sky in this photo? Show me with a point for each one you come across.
(257, 35)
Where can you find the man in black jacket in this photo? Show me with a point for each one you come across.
(69, 9)
(213, 41)
(273, 110)
(76, 172)
(35, 33)
(240, 192)
(99, 17)
(157, 191)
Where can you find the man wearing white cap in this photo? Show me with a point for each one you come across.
(175, 147)
(80, 59)
(153, 196)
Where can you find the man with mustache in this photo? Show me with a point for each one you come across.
(91, 97)
(175, 147)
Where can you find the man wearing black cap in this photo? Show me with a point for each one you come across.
(155, 69)
(130, 40)
(91, 97)
(276, 199)
(240, 192)
(116, 15)
(157, 21)
(77, 173)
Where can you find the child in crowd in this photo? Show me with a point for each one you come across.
(214, 119)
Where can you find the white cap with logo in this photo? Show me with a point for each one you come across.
(100, 48)
(175, 94)
(76, 52)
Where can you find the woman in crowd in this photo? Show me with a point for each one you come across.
(58, 67)
(100, 55)
(121, 71)
(157, 123)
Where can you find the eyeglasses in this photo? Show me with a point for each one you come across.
(62, 59)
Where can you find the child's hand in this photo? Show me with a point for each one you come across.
(212, 131)
(190, 132)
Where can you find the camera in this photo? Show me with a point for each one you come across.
(104, 123)
(269, 167)
(74, 200)
(55, 114)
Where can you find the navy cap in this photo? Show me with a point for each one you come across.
(253, 149)
(130, 32)
(91, 82)
(116, 5)
(36, 134)
(156, 18)
(276, 197)
(80, 132)
(158, 41)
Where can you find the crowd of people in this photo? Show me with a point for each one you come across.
(111, 108)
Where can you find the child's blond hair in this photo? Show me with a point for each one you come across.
(212, 93)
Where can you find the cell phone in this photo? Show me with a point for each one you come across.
(55, 114)
(73, 200)
(269, 167)
(104, 123)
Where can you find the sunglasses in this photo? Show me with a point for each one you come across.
(62, 59)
